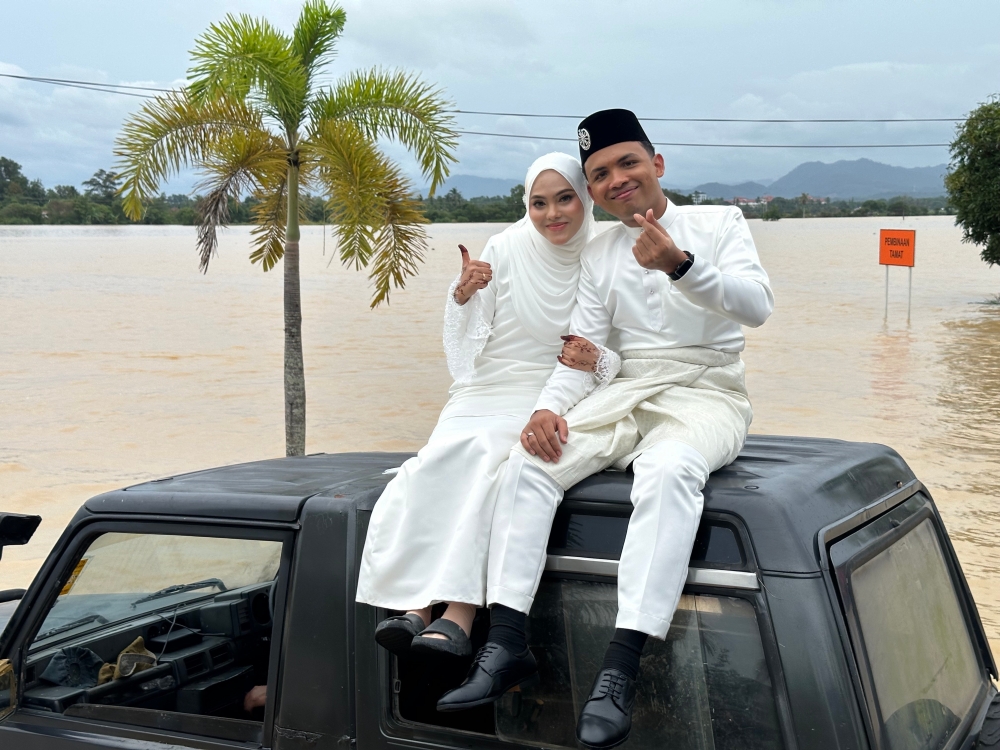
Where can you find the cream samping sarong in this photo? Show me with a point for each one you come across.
(694, 395)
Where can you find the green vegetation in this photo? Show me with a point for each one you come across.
(453, 208)
(973, 182)
(256, 122)
(782, 208)
(24, 201)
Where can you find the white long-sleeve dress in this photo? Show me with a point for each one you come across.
(429, 534)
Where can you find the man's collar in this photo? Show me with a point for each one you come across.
(665, 221)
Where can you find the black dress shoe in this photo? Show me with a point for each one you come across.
(606, 718)
(494, 671)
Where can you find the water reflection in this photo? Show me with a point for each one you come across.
(971, 396)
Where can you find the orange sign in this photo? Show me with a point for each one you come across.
(896, 247)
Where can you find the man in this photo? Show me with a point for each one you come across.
(669, 288)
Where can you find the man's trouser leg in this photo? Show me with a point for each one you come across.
(667, 497)
(526, 504)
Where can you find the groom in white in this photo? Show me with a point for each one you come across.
(669, 288)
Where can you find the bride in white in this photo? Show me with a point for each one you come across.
(505, 319)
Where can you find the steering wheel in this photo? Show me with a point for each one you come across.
(270, 598)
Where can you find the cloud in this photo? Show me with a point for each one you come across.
(727, 58)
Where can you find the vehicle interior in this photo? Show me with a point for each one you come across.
(182, 657)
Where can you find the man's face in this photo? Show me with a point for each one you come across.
(623, 180)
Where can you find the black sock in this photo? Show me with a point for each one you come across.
(624, 651)
(507, 628)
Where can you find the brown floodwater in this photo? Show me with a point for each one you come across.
(120, 363)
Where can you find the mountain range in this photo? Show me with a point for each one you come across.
(860, 179)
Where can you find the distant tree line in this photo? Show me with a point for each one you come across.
(807, 207)
(26, 201)
(452, 207)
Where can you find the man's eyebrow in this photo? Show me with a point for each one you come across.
(625, 157)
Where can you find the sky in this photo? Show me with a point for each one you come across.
(660, 58)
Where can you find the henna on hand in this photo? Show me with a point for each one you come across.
(579, 354)
(476, 275)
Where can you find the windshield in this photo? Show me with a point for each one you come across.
(122, 576)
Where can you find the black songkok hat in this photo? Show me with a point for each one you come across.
(606, 128)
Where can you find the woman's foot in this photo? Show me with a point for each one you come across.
(460, 614)
(448, 635)
(395, 634)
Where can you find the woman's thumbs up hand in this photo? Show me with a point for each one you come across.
(476, 275)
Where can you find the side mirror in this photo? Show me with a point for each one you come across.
(8, 689)
(17, 529)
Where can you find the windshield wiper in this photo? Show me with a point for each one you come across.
(69, 626)
(180, 588)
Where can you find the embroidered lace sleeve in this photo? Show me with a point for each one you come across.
(467, 328)
(608, 365)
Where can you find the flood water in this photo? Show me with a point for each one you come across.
(120, 363)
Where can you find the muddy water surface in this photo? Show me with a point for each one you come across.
(119, 363)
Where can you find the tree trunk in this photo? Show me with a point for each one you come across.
(295, 379)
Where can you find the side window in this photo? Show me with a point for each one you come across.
(163, 631)
(706, 686)
(916, 642)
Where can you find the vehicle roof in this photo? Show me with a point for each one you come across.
(785, 489)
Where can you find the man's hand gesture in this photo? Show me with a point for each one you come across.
(476, 275)
(655, 249)
(543, 433)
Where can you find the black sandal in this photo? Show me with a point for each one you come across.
(395, 634)
(455, 643)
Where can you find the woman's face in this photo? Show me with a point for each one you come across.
(554, 208)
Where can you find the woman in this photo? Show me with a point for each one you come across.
(505, 318)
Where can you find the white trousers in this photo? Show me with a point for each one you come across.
(667, 499)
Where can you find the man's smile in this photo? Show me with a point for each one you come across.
(625, 194)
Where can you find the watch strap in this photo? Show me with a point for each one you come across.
(682, 268)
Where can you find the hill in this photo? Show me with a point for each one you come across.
(861, 179)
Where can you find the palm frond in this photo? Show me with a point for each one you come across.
(352, 172)
(244, 162)
(376, 220)
(243, 57)
(402, 241)
(172, 132)
(270, 216)
(317, 29)
(398, 106)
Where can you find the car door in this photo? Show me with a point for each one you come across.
(141, 631)
(714, 683)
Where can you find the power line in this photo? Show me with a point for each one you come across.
(85, 85)
(39, 79)
(720, 145)
(67, 81)
(719, 119)
(127, 90)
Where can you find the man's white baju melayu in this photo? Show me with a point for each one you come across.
(678, 409)
(430, 530)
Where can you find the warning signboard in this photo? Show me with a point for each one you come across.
(896, 247)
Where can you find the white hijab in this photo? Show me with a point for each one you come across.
(544, 276)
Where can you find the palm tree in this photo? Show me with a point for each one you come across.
(255, 121)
